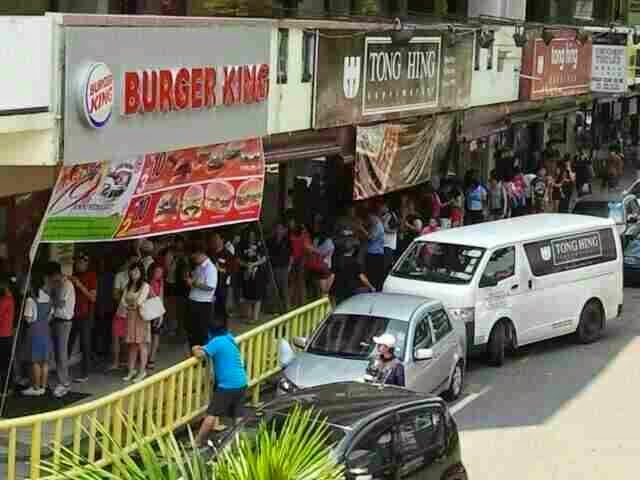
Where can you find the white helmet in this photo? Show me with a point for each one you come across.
(385, 339)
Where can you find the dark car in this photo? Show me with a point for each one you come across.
(621, 207)
(379, 433)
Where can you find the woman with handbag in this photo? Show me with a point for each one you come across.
(138, 330)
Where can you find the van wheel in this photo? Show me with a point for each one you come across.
(456, 383)
(496, 346)
(591, 323)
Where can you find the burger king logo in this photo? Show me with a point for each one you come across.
(97, 95)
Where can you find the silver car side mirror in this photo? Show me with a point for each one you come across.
(423, 354)
(286, 354)
(300, 342)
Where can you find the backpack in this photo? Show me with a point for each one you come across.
(391, 221)
(538, 188)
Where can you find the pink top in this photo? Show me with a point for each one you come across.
(157, 287)
(429, 229)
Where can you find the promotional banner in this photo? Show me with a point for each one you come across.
(393, 156)
(609, 69)
(367, 79)
(561, 68)
(157, 193)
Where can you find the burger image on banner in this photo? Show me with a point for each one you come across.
(219, 197)
(167, 208)
(249, 194)
(192, 200)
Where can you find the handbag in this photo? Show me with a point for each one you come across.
(152, 308)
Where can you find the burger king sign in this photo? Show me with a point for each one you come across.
(97, 95)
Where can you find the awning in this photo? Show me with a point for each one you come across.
(302, 152)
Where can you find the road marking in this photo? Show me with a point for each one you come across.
(467, 400)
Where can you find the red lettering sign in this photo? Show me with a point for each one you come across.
(164, 90)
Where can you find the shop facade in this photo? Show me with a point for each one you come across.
(401, 99)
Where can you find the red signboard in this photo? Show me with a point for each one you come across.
(562, 68)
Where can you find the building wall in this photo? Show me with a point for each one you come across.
(290, 103)
(28, 148)
(498, 8)
(496, 73)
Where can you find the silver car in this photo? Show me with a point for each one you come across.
(432, 350)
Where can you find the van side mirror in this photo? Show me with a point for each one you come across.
(423, 354)
(488, 282)
(300, 342)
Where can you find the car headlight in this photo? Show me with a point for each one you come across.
(464, 315)
(287, 385)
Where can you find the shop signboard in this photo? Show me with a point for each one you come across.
(134, 90)
(561, 68)
(396, 155)
(157, 193)
(370, 78)
(609, 64)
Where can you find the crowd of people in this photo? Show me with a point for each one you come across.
(201, 278)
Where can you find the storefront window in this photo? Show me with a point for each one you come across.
(283, 54)
(308, 55)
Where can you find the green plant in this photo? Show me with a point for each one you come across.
(299, 449)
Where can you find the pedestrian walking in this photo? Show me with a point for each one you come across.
(63, 296)
(375, 265)
(539, 190)
(138, 330)
(476, 200)
(498, 199)
(202, 282)
(391, 224)
(350, 277)
(230, 384)
(37, 313)
(280, 254)
(225, 263)
(299, 241)
(252, 267)
(615, 167)
(119, 322)
(85, 282)
(156, 289)
(7, 317)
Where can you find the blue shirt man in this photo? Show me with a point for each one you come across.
(226, 362)
(230, 381)
(375, 246)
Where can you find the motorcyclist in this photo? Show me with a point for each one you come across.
(386, 368)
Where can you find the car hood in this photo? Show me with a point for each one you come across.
(308, 370)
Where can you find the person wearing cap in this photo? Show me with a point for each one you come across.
(85, 282)
(388, 368)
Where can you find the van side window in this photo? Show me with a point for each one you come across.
(502, 265)
(561, 254)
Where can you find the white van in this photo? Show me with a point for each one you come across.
(520, 280)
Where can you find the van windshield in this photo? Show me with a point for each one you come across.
(439, 262)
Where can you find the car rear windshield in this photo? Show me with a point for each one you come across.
(601, 209)
(351, 336)
(439, 262)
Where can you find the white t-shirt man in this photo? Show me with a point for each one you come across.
(390, 234)
(65, 301)
(204, 274)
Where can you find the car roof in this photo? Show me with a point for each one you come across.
(604, 197)
(386, 305)
(517, 229)
(348, 404)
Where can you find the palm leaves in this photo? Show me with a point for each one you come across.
(298, 449)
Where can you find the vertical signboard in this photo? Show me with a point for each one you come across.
(609, 64)
(561, 68)
(367, 79)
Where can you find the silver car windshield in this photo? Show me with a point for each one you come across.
(351, 336)
(439, 262)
